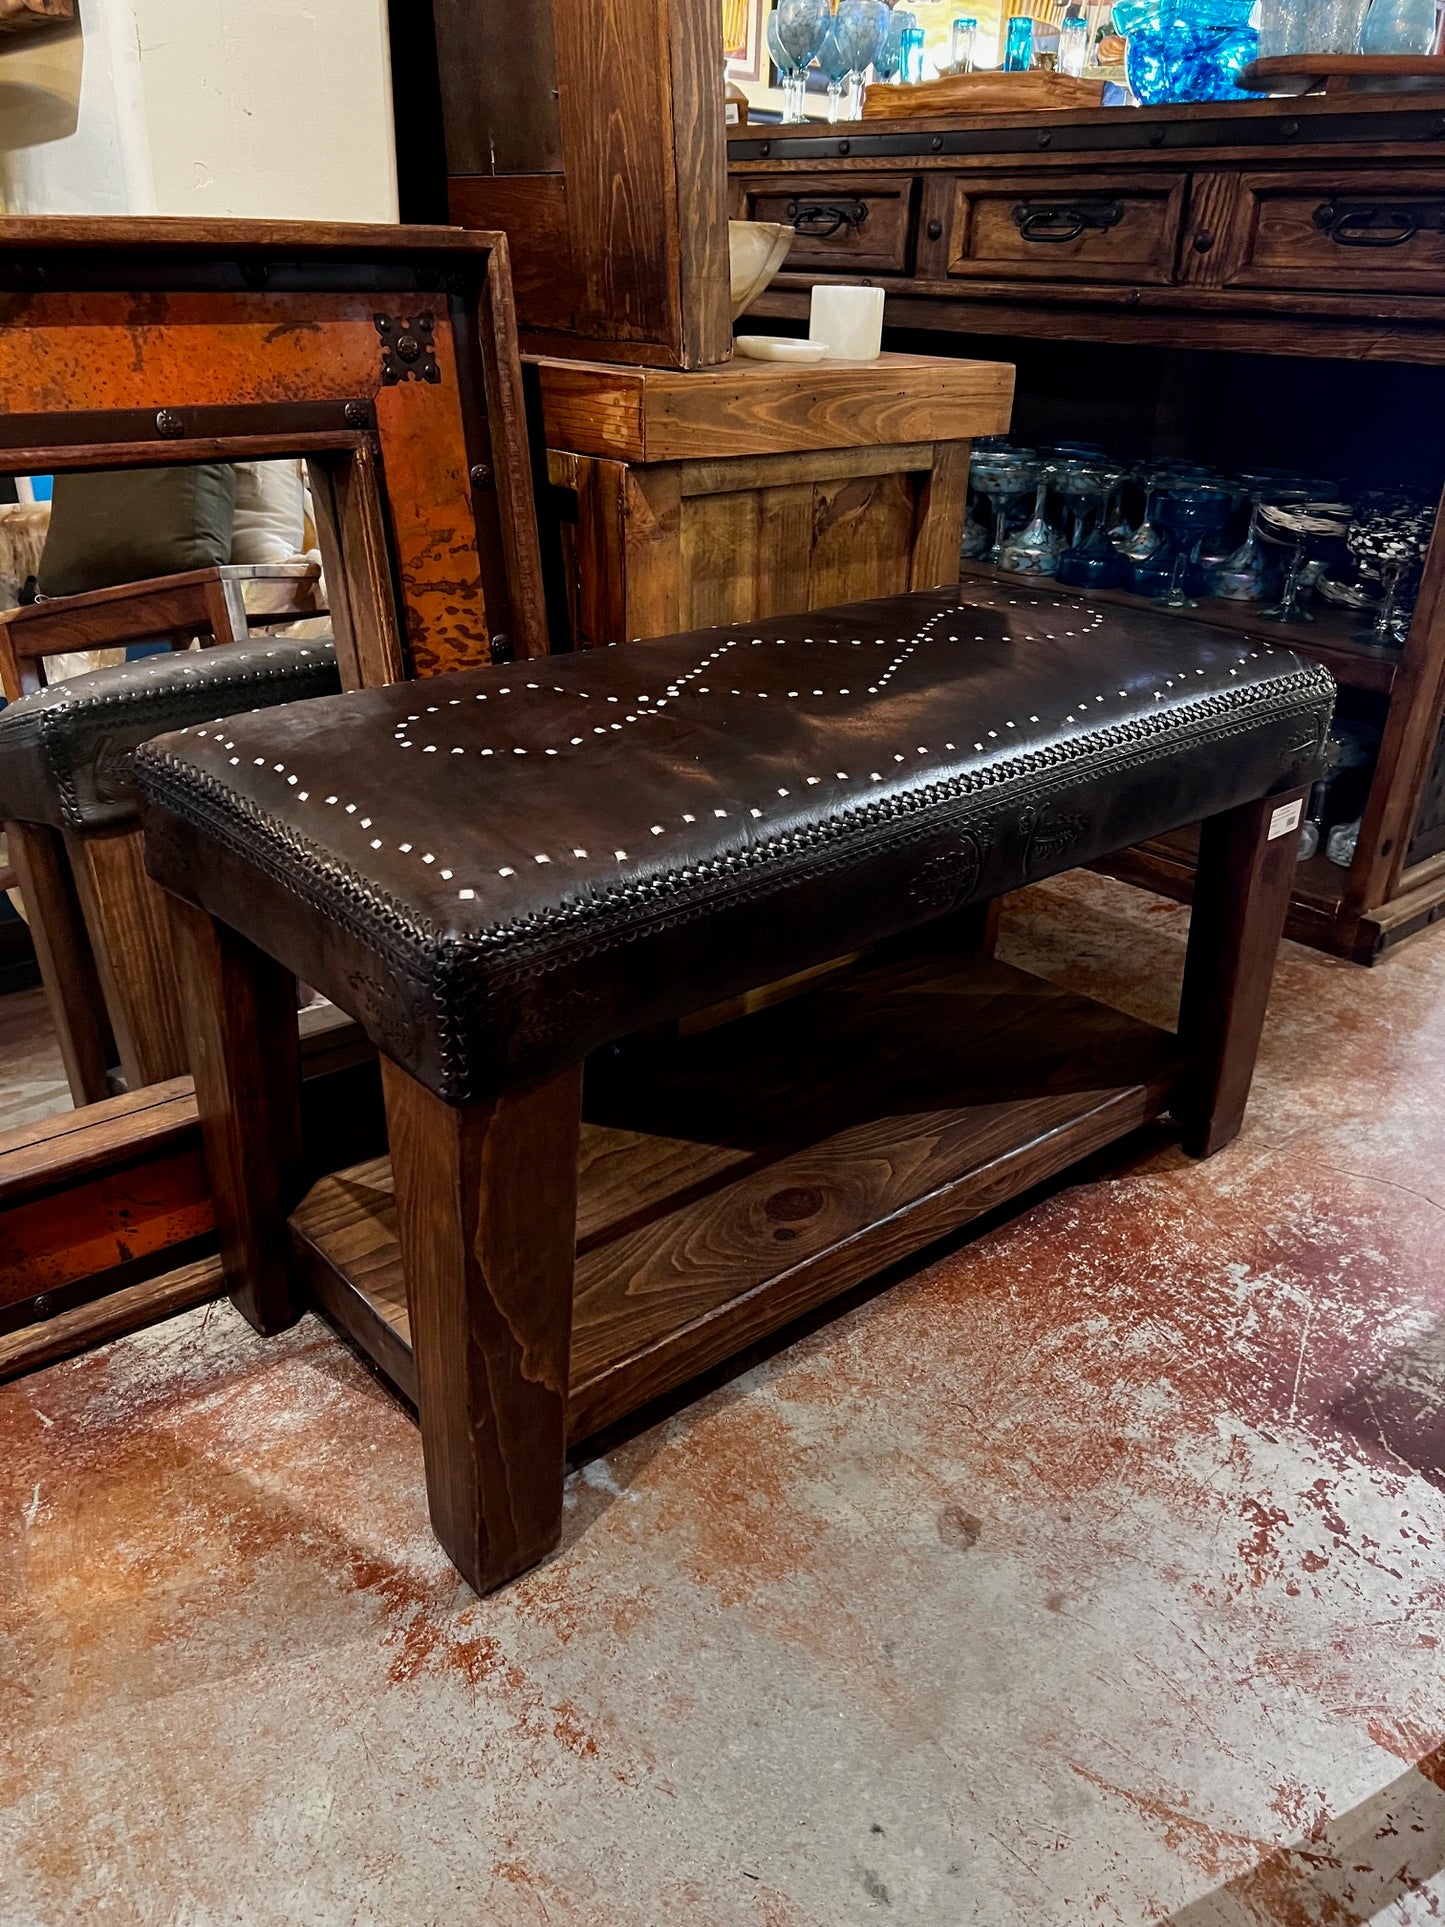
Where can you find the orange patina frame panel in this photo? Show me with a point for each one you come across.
(111, 357)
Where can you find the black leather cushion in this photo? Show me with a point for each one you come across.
(65, 753)
(128, 524)
(500, 870)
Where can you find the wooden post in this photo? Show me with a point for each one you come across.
(1241, 893)
(240, 1017)
(351, 530)
(486, 1199)
(938, 533)
(126, 916)
(225, 602)
(67, 962)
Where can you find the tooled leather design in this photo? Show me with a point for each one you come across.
(447, 969)
(949, 879)
(1048, 839)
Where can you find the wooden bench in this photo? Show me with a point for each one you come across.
(507, 873)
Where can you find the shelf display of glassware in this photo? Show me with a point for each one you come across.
(851, 42)
(1179, 534)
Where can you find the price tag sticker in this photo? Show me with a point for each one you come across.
(1286, 818)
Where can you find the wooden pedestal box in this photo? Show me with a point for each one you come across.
(759, 489)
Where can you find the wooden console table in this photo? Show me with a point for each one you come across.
(1206, 237)
(758, 489)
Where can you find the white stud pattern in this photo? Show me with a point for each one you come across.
(646, 706)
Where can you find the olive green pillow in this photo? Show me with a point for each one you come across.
(128, 524)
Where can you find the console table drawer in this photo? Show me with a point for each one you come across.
(1376, 230)
(849, 222)
(1048, 227)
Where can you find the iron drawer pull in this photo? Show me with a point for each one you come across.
(1371, 224)
(820, 219)
(1064, 220)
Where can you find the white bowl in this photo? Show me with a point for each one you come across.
(756, 250)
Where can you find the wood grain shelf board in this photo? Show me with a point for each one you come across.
(763, 408)
(751, 1174)
(1331, 638)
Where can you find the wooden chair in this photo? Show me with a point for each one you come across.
(99, 932)
(216, 605)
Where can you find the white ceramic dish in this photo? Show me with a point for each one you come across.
(779, 348)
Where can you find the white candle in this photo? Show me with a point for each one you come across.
(849, 319)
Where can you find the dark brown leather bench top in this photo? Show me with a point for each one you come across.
(66, 751)
(500, 870)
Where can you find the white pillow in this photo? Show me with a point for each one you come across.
(270, 521)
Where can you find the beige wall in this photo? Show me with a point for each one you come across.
(266, 108)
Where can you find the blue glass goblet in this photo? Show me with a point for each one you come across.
(836, 63)
(1035, 549)
(1094, 563)
(1001, 476)
(862, 30)
(1187, 514)
(803, 25)
(889, 64)
(790, 73)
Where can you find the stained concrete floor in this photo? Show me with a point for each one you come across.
(1092, 1574)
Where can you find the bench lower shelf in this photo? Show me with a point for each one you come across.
(735, 1180)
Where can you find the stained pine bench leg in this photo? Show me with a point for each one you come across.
(239, 1007)
(486, 1200)
(1241, 894)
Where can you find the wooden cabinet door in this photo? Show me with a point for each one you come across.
(1051, 225)
(1381, 230)
(591, 132)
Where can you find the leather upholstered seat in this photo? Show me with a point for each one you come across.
(65, 752)
(499, 870)
(69, 807)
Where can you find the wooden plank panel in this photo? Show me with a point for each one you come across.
(763, 408)
(613, 59)
(940, 507)
(64, 1149)
(652, 526)
(498, 72)
(720, 541)
(699, 185)
(862, 539)
(815, 465)
(829, 404)
(592, 410)
(531, 210)
(1066, 1133)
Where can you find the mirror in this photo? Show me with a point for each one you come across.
(107, 579)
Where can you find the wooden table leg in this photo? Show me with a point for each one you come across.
(1241, 893)
(67, 962)
(126, 915)
(486, 1199)
(240, 1017)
